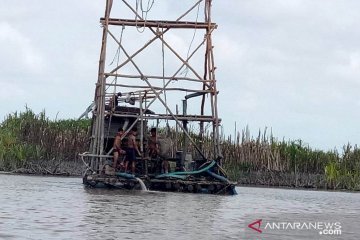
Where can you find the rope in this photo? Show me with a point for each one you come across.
(143, 12)
(163, 71)
(113, 102)
(118, 58)
(85, 163)
(117, 55)
(164, 82)
(186, 70)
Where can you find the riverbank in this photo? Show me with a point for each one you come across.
(29, 140)
(284, 180)
(297, 180)
(50, 168)
(258, 179)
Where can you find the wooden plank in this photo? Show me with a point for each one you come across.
(159, 23)
(158, 88)
(169, 117)
(156, 77)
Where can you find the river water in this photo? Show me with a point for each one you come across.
(33, 207)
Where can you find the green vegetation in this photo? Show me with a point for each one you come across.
(271, 157)
(29, 140)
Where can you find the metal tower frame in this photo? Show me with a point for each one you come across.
(151, 92)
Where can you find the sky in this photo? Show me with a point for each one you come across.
(292, 67)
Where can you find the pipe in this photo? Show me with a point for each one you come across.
(221, 178)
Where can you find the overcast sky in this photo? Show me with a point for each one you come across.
(289, 65)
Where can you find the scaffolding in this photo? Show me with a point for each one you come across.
(143, 89)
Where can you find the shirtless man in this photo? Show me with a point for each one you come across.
(117, 147)
(131, 151)
(153, 144)
(154, 150)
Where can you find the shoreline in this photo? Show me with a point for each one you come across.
(245, 185)
(50, 147)
(40, 174)
(297, 188)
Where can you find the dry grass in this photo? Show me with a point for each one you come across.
(27, 139)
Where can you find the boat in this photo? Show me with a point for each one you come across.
(130, 93)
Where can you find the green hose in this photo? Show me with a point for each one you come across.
(178, 174)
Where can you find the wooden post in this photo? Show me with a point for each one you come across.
(185, 139)
(176, 130)
(151, 92)
(97, 144)
(142, 134)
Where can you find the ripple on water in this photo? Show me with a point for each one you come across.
(60, 208)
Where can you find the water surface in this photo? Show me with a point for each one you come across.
(33, 207)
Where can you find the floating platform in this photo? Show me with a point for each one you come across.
(201, 181)
(167, 185)
(121, 115)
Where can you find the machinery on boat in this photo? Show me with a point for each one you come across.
(144, 70)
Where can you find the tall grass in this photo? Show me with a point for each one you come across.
(26, 137)
(264, 153)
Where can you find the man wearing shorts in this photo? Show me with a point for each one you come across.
(131, 150)
(117, 147)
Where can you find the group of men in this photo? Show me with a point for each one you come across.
(131, 149)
